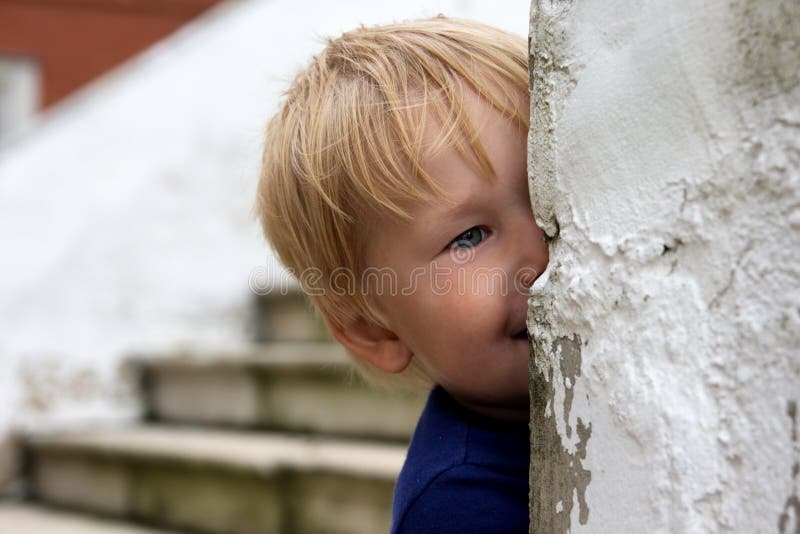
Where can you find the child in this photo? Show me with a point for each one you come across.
(394, 186)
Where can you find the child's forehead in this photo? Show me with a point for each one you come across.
(461, 181)
(444, 145)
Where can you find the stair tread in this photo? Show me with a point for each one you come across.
(252, 451)
(273, 354)
(26, 518)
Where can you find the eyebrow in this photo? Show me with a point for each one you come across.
(467, 202)
(459, 208)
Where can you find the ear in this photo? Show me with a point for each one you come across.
(373, 343)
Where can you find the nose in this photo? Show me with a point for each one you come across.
(527, 276)
(532, 250)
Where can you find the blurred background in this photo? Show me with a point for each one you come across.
(158, 369)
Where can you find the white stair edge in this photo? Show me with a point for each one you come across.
(273, 354)
(260, 452)
(26, 518)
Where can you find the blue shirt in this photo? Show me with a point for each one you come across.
(464, 473)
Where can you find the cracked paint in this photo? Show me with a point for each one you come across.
(791, 510)
(556, 471)
(668, 184)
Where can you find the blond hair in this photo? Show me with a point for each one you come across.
(347, 141)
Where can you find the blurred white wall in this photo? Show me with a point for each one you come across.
(125, 218)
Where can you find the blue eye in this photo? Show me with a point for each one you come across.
(470, 238)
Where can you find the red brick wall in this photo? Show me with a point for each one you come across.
(73, 41)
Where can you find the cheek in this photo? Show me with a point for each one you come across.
(475, 319)
(469, 311)
(487, 316)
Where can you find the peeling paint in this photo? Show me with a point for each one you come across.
(791, 510)
(664, 166)
(556, 473)
(570, 370)
(768, 46)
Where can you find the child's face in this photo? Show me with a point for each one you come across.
(451, 311)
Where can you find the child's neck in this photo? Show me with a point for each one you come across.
(501, 413)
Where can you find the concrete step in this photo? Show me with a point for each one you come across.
(297, 387)
(286, 316)
(28, 518)
(218, 481)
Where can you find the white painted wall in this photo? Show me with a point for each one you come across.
(124, 214)
(665, 162)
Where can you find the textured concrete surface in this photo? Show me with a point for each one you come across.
(665, 166)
